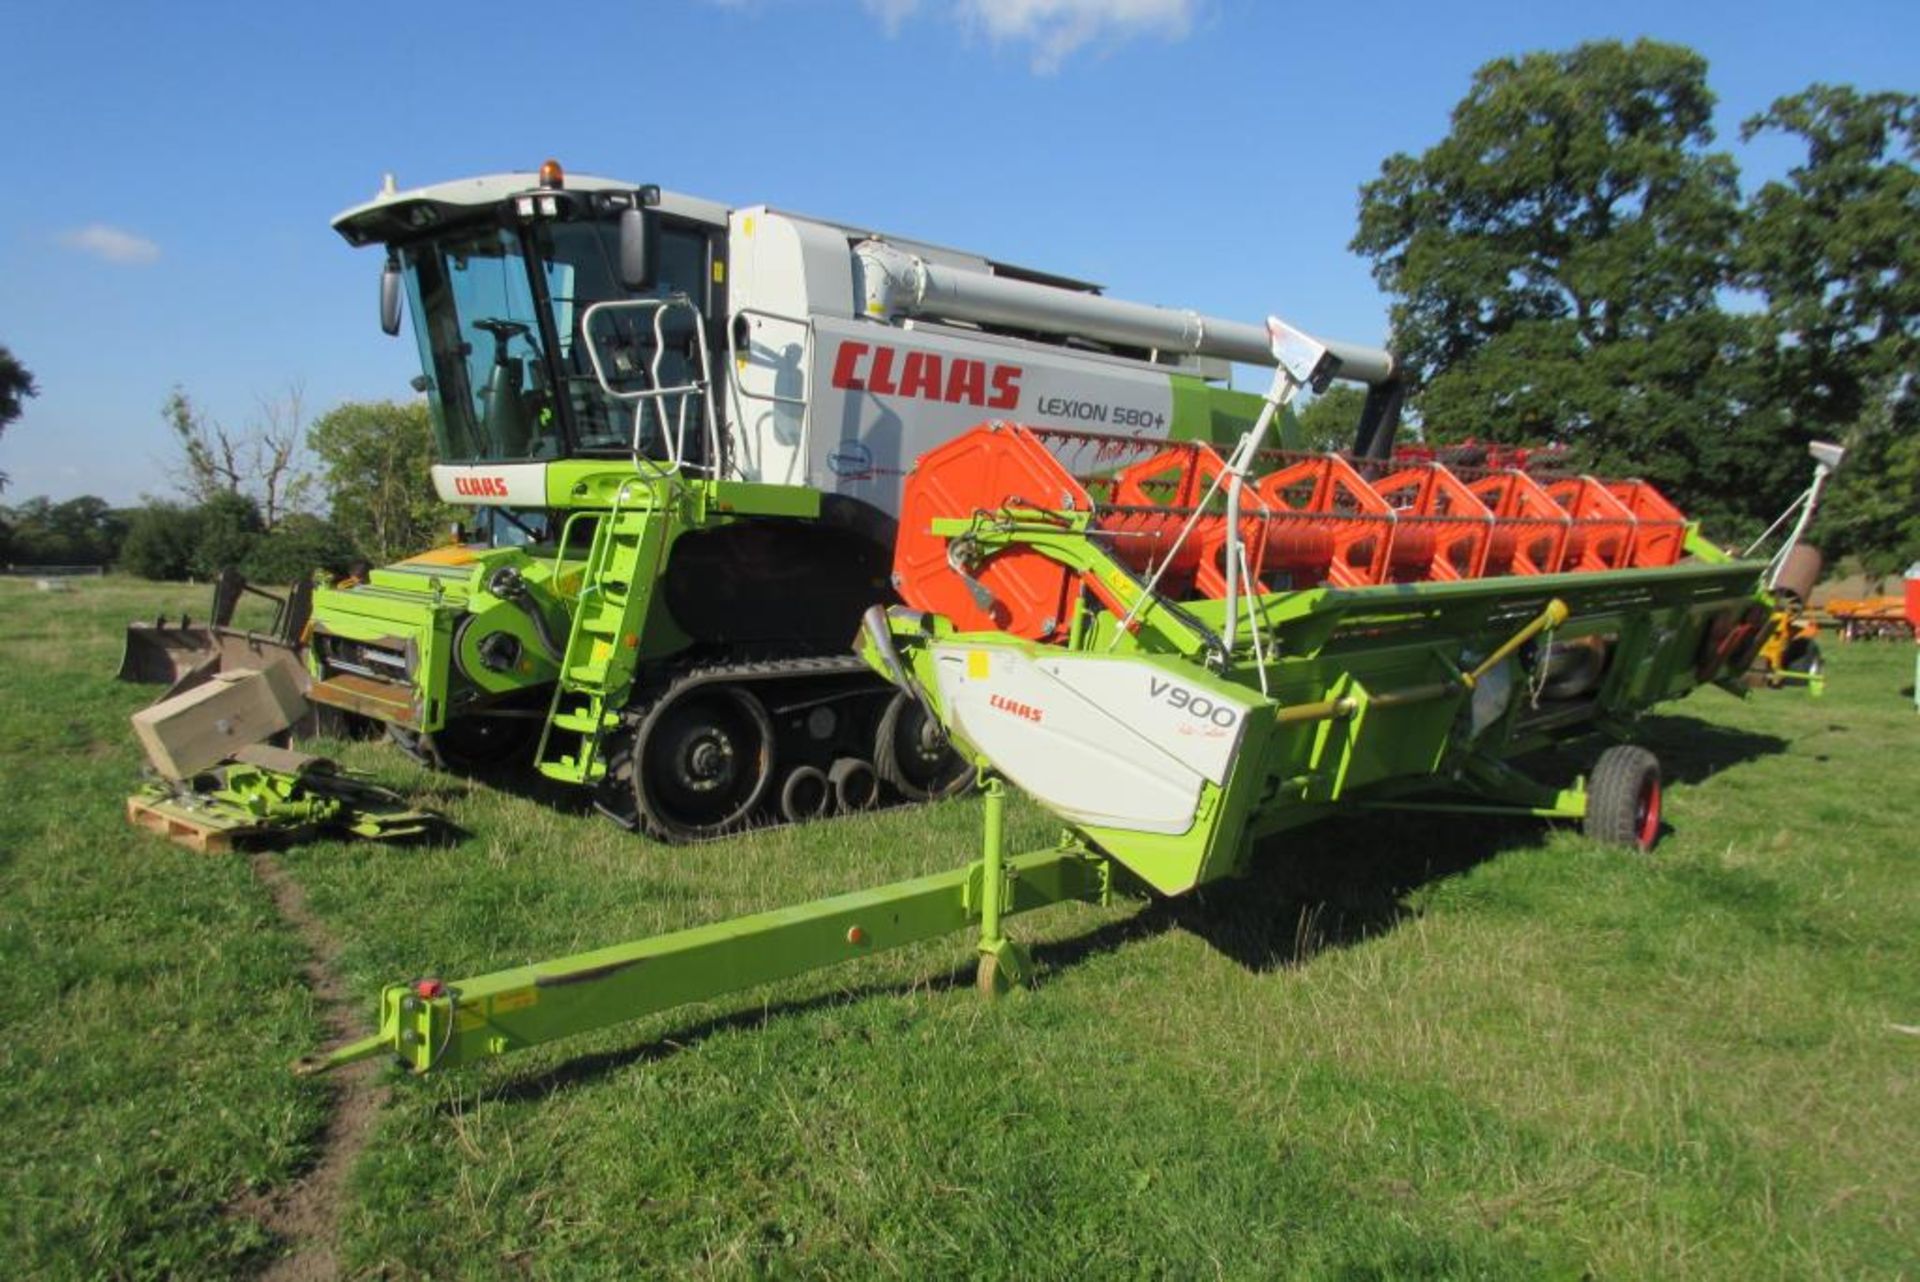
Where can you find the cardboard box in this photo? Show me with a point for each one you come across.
(205, 725)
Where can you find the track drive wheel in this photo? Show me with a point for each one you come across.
(703, 761)
(912, 753)
(1623, 798)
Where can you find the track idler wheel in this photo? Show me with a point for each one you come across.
(912, 753)
(1623, 798)
(703, 761)
(805, 795)
(855, 786)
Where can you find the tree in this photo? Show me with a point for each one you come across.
(1555, 263)
(80, 531)
(1871, 510)
(1832, 247)
(16, 385)
(376, 457)
(259, 461)
(1332, 418)
(161, 541)
(299, 545)
(230, 526)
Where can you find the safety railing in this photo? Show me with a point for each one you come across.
(673, 426)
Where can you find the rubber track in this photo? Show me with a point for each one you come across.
(614, 795)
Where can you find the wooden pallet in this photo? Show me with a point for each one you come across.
(207, 836)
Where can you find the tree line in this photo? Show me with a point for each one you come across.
(276, 497)
(1573, 262)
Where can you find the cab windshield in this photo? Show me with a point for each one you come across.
(494, 390)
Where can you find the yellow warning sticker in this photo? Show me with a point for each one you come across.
(978, 668)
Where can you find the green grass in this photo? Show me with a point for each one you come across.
(1434, 1048)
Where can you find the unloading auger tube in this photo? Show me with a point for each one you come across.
(893, 282)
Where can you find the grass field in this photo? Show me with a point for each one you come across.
(1459, 1048)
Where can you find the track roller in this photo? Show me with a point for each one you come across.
(855, 786)
(805, 795)
(475, 742)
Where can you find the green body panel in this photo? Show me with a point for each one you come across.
(415, 610)
(1204, 411)
(427, 616)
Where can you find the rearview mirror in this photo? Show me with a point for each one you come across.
(390, 297)
(639, 241)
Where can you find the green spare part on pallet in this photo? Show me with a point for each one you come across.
(271, 796)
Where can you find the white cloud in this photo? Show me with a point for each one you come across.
(111, 244)
(1054, 29)
(891, 13)
(1057, 29)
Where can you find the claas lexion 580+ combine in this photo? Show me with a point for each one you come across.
(717, 444)
(683, 431)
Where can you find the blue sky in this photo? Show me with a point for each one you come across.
(171, 168)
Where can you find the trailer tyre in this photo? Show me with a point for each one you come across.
(1623, 798)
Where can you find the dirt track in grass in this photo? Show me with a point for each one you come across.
(305, 1216)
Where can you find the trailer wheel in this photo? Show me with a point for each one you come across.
(1623, 798)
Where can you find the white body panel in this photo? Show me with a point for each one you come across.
(821, 396)
(1108, 742)
(491, 484)
(1200, 728)
(829, 385)
(884, 395)
(784, 272)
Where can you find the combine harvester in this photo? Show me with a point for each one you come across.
(1182, 653)
(682, 431)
